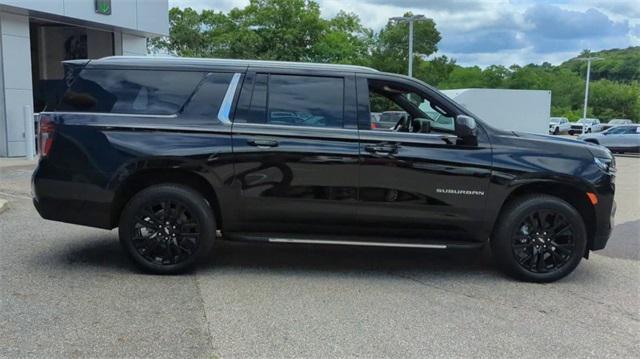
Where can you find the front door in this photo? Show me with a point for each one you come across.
(296, 153)
(417, 179)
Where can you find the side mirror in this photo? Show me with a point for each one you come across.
(466, 129)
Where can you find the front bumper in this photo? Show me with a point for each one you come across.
(605, 219)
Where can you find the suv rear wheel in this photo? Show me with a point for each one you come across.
(167, 228)
(539, 238)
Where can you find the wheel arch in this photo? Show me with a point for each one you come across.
(142, 179)
(574, 195)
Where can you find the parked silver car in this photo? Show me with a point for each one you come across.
(624, 138)
(616, 122)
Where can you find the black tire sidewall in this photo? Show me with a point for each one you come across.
(195, 202)
(514, 215)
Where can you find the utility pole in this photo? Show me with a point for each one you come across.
(410, 20)
(586, 88)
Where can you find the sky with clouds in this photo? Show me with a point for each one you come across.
(501, 32)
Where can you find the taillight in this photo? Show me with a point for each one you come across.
(374, 125)
(45, 134)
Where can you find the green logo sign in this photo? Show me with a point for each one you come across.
(103, 7)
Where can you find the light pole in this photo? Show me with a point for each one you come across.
(586, 88)
(410, 20)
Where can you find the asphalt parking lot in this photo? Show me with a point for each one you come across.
(69, 291)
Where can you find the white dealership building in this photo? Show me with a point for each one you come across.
(36, 35)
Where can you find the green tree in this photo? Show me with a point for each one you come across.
(391, 47)
(464, 77)
(436, 70)
(288, 30)
(609, 99)
(621, 65)
(345, 40)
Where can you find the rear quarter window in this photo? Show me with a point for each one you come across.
(148, 92)
(205, 102)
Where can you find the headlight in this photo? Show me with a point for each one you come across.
(608, 165)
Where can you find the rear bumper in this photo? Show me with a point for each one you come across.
(57, 197)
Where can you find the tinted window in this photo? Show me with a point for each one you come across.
(305, 101)
(258, 110)
(206, 100)
(615, 130)
(130, 91)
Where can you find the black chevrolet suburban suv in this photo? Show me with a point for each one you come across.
(179, 153)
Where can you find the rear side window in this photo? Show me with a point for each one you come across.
(294, 100)
(206, 100)
(130, 91)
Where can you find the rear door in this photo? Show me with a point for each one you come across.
(415, 181)
(296, 152)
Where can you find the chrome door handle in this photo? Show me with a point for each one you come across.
(263, 143)
(382, 148)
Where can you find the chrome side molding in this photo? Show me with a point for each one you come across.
(358, 243)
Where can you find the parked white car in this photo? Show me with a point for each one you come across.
(585, 125)
(558, 125)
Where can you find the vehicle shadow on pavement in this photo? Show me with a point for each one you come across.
(105, 253)
(282, 258)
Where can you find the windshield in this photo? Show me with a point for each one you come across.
(585, 120)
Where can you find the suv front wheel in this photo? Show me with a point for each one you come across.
(539, 238)
(167, 228)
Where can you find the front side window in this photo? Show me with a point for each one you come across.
(405, 110)
(293, 100)
(631, 130)
(130, 91)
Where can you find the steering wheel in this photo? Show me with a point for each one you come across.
(400, 124)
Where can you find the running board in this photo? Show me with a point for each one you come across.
(357, 243)
(352, 241)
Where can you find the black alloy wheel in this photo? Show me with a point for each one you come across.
(165, 232)
(167, 228)
(539, 238)
(544, 242)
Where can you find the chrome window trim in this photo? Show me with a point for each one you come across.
(290, 130)
(109, 114)
(390, 136)
(216, 129)
(292, 127)
(225, 108)
(335, 132)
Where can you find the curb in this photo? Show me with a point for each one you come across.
(3, 205)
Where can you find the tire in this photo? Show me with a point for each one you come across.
(167, 228)
(547, 257)
(570, 132)
(556, 131)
